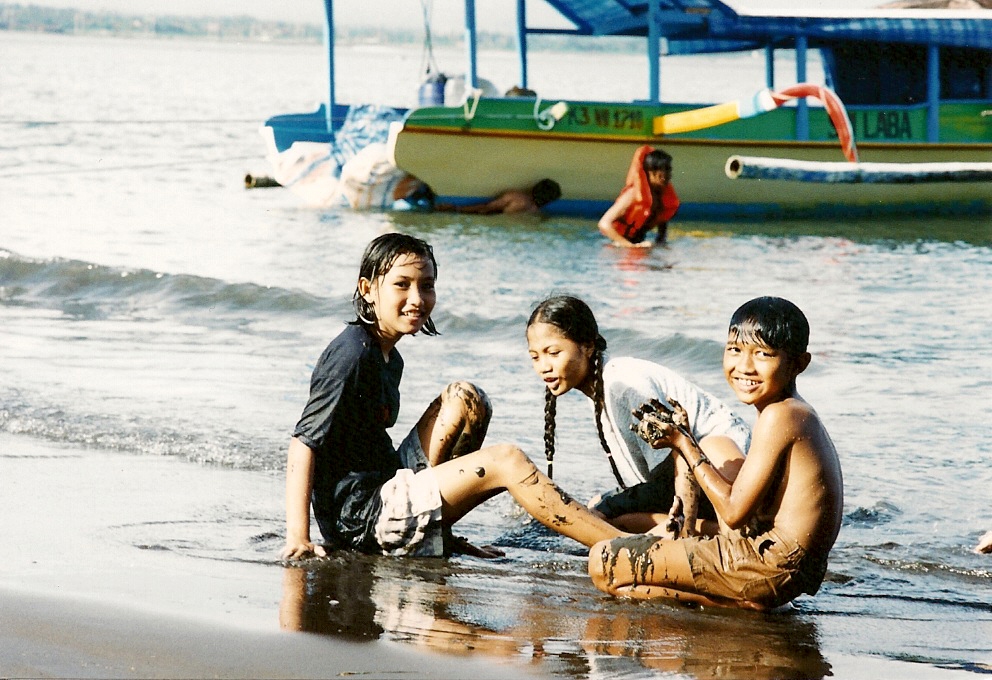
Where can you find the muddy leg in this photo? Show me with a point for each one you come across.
(467, 481)
(455, 423)
(643, 567)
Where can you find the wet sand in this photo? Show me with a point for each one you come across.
(64, 637)
(101, 578)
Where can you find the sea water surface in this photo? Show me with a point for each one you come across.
(150, 305)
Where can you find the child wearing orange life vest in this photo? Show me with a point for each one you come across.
(648, 200)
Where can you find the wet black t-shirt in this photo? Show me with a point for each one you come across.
(354, 397)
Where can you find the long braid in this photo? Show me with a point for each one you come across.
(599, 404)
(550, 408)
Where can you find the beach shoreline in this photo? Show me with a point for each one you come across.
(65, 637)
(78, 601)
(113, 571)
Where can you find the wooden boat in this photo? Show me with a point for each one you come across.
(917, 85)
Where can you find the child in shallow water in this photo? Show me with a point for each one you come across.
(511, 201)
(647, 201)
(367, 495)
(783, 510)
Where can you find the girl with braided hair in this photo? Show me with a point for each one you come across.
(568, 352)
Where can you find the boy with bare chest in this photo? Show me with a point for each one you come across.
(778, 519)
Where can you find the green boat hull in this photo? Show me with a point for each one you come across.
(475, 151)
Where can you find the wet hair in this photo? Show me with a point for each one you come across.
(380, 256)
(773, 322)
(545, 191)
(575, 320)
(658, 160)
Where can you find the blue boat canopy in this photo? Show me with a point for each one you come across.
(946, 54)
(938, 27)
(617, 17)
(704, 24)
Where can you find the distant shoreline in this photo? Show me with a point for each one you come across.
(75, 22)
(63, 21)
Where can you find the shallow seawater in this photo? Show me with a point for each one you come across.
(152, 306)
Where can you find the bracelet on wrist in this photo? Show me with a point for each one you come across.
(702, 459)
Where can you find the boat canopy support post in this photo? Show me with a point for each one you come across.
(654, 52)
(522, 40)
(770, 66)
(802, 108)
(329, 49)
(933, 93)
(472, 73)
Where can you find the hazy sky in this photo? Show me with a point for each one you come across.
(447, 14)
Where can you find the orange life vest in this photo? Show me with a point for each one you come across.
(637, 221)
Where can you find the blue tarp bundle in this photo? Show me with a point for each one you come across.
(364, 124)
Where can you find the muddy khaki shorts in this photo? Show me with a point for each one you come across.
(767, 569)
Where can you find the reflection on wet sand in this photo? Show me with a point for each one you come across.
(329, 601)
(713, 644)
(462, 608)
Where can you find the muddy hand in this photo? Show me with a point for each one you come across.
(671, 528)
(651, 406)
(676, 518)
(653, 429)
(679, 416)
(461, 546)
(654, 423)
(676, 414)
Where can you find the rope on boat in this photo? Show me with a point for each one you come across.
(546, 119)
(459, 114)
(469, 112)
(428, 64)
(826, 172)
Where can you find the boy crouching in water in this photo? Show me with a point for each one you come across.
(778, 519)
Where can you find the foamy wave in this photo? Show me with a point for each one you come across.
(93, 291)
(63, 424)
